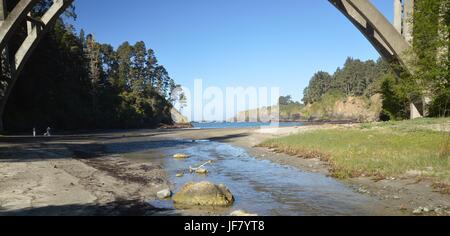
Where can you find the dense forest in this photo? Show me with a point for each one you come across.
(355, 78)
(428, 84)
(73, 82)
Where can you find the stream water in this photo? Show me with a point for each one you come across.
(259, 186)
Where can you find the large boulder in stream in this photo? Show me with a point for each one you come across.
(204, 194)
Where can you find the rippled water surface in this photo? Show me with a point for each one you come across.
(235, 125)
(259, 186)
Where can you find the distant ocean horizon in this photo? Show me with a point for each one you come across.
(238, 125)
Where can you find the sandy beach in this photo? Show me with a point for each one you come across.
(75, 175)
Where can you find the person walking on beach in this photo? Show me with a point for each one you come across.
(34, 132)
(48, 132)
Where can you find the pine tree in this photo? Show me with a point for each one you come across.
(139, 73)
(124, 54)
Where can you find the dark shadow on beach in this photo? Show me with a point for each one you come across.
(228, 137)
(117, 208)
(24, 149)
(103, 136)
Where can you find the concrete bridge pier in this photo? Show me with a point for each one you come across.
(398, 15)
(3, 53)
(403, 23)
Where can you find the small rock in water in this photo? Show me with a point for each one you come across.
(201, 171)
(180, 156)
(164, 194)
(179, 175)
(242, 213)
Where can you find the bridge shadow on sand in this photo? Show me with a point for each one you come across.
(25, 149)
(118, 208)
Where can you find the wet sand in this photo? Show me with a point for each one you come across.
(75, 175)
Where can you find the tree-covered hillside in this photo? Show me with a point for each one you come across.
(356, 78)
(350, 93)
(73, 82)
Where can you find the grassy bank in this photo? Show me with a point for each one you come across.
(420, 148)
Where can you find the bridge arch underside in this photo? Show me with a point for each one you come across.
(11, 22)
(376, 28)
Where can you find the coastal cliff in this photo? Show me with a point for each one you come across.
(329, 108)
(178, 118)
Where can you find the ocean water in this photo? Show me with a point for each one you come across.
(237, 125)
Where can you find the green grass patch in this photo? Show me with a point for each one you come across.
(373, 152)
(423, 124)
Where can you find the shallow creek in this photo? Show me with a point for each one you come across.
(259, 186)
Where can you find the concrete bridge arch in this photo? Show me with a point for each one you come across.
(391, 41)
(10, 22)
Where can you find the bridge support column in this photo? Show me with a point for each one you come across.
(426, 106)
(2, 19)
(398, 15)
(2, 10)
(408, 12)
(415, 113)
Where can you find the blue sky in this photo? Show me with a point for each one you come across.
(234, 42)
